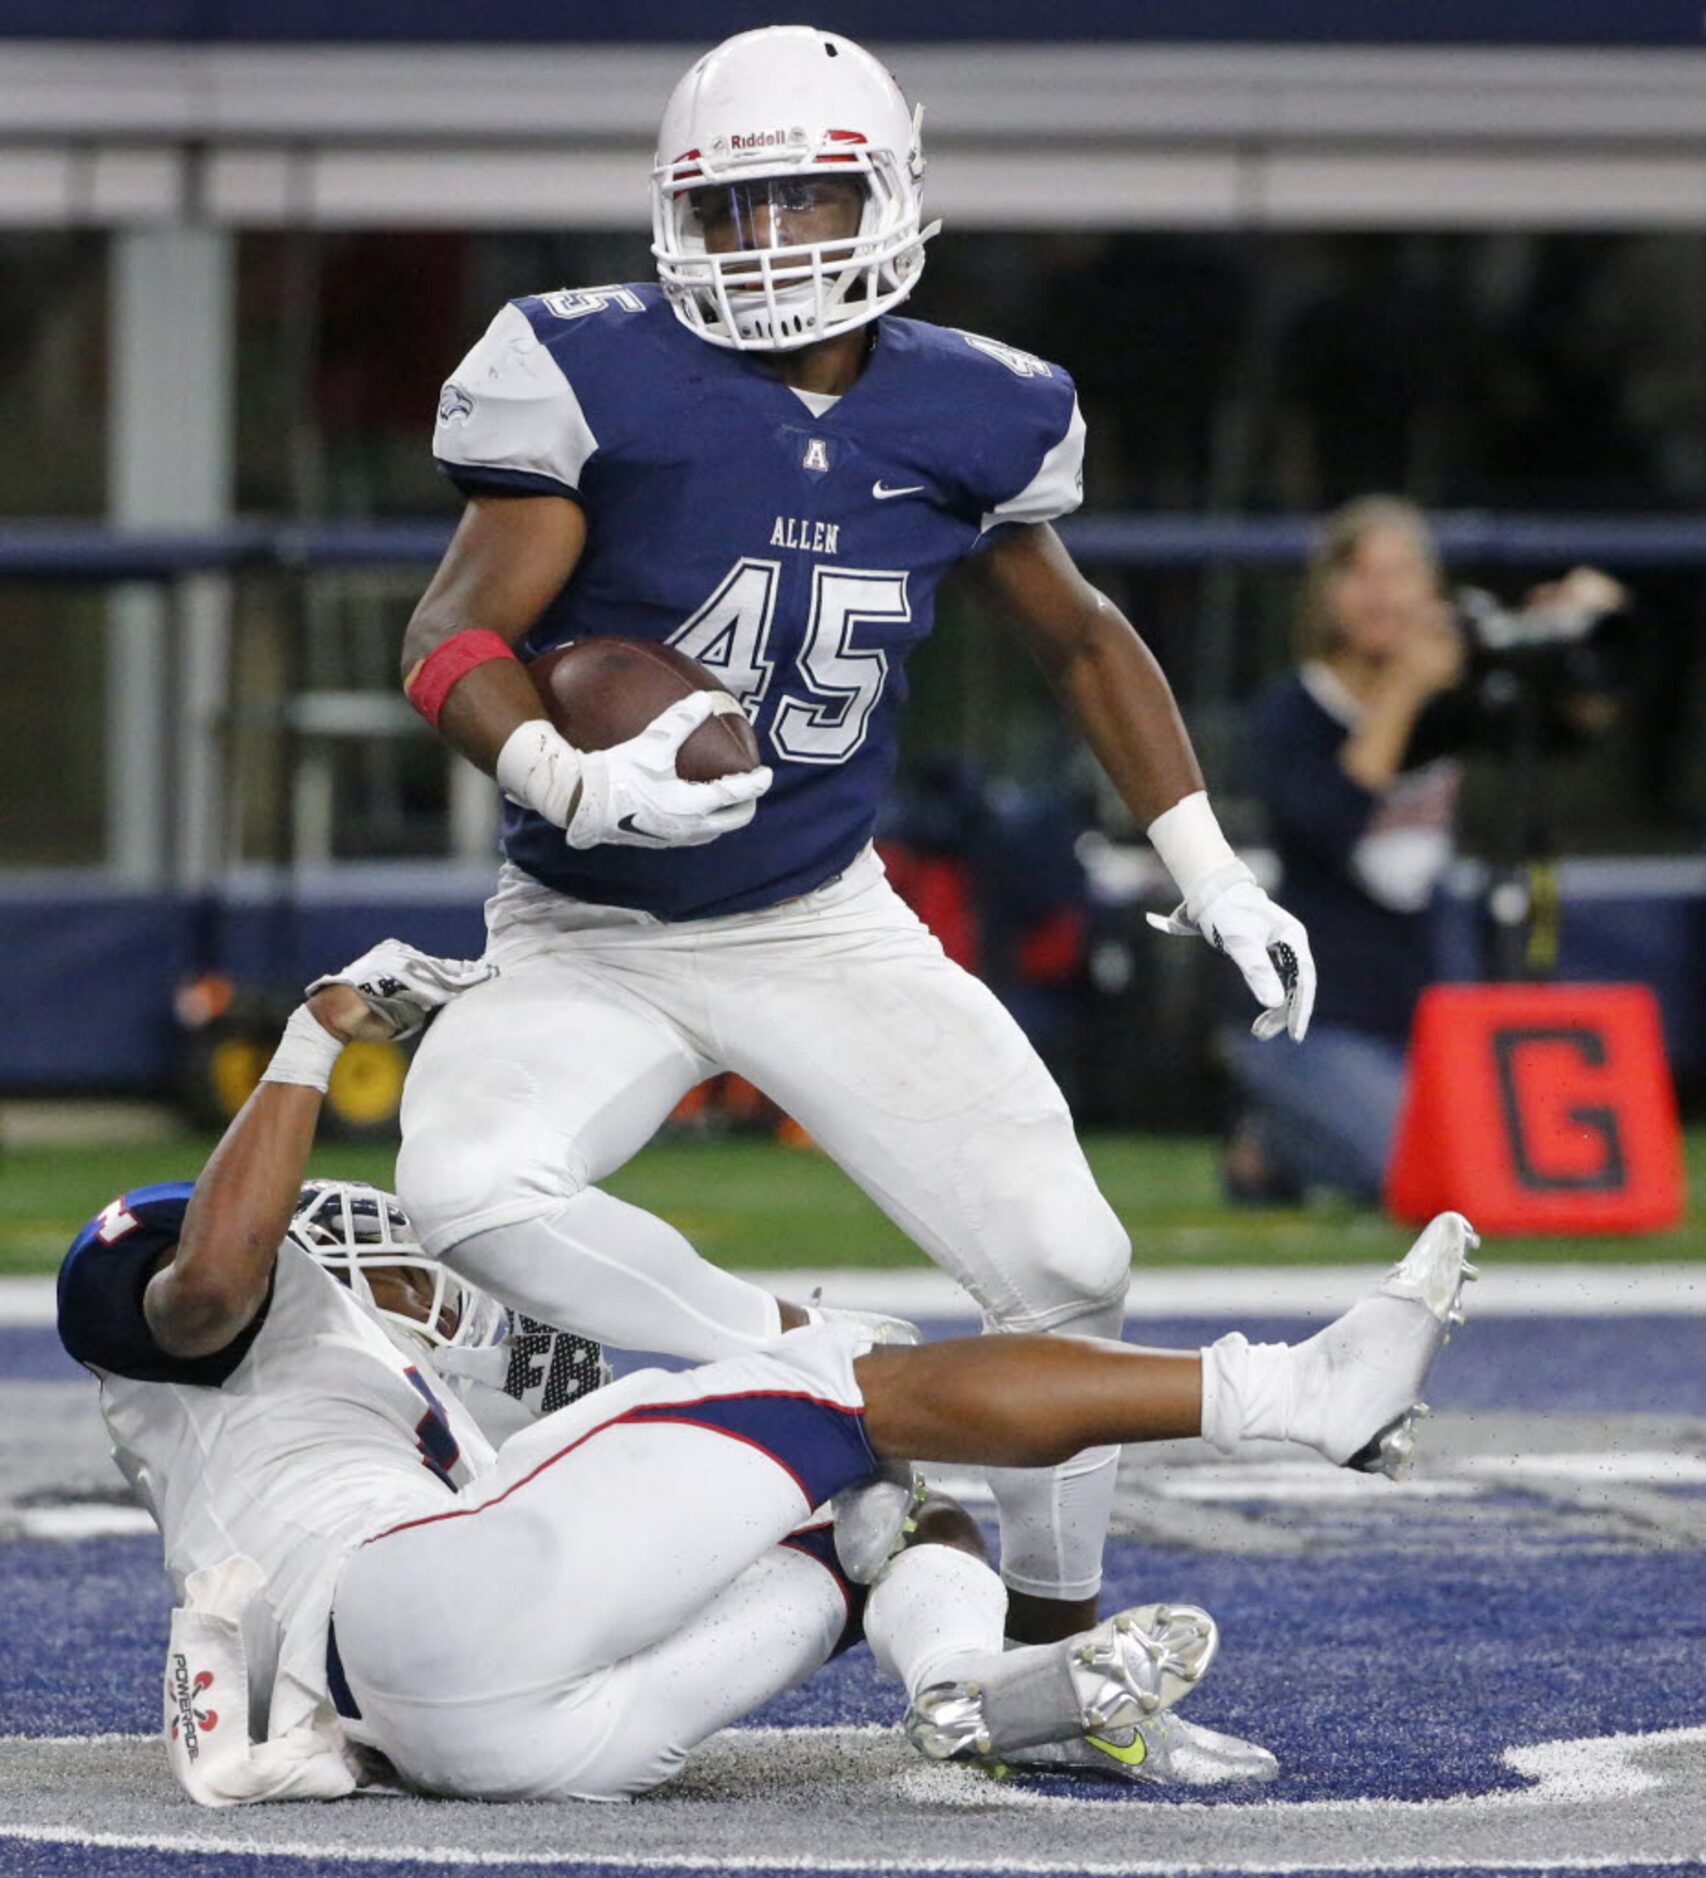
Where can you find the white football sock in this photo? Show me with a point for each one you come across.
(1054, 1522)
(935, 1615)
(1247, 1391)
(612, 1271)
(1330, 1392)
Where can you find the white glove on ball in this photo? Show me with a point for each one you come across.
(630, 794)
(1263, 940)
(403, 986)
(632, 797)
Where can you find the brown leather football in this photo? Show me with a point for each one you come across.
(600, 692)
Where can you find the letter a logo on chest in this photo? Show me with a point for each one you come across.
(817, 454)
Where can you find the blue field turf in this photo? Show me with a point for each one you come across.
(1396, 1660)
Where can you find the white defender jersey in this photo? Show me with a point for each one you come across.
(319, 1433)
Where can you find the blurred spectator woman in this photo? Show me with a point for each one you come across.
(1362, 822)
(1354, 760)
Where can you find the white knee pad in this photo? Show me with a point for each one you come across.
(1069, 1260)
(478, 1153)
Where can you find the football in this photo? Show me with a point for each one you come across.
(600, 692)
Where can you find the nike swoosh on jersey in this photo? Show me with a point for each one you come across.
(883, 493)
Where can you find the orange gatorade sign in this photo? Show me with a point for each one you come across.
(1539, 1108)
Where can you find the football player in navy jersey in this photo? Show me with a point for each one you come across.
(757, 460)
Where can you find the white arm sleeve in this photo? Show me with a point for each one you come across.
(1055, 490)
(509, 409)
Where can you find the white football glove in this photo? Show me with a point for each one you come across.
(1267, 945)
(402, 986)
(632, 797)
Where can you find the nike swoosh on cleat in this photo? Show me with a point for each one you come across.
(1134, 1754)
(883, 493)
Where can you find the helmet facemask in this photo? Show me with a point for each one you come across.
(360, 1234)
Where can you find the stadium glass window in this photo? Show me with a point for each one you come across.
(53, 305)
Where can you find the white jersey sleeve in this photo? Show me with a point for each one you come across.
(509, 419)
(1056, 489)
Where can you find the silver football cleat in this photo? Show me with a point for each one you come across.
(1161, 1750)
(1129, 1668)
(1360, 1379)
(873, 1519)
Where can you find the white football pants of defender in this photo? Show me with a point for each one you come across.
(842, 1007)
(617, 1589)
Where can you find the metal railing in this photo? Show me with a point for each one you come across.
(90, 551)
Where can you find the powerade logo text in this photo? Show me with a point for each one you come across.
(190, 1722)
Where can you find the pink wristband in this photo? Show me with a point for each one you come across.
(449, 662)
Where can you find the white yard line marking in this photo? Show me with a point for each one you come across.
(330, 1851)
(65, 1523)
(1631, 1467)
(26, 1301)
(1587, 1771)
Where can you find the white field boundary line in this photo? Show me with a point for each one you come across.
(1237, 1292)
(1070, 1867)
(1593, 1770)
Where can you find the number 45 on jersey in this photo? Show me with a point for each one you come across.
(730, 633)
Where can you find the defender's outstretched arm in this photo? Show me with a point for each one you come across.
(213, 1284)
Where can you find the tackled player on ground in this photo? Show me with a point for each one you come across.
(370, 1594)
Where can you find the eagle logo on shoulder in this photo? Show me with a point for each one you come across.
(454, 404)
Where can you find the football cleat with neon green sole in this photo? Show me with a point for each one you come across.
(1129, 1668)
(1164, 1750)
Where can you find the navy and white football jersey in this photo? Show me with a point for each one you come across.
(793, 544)
(306, 1435)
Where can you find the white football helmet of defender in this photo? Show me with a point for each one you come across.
(788, 102)
(356, 1231)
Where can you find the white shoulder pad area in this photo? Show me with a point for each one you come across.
(1056, 489)
(508, 406)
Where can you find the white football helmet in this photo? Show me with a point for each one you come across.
(788, 102)
(351, 1228)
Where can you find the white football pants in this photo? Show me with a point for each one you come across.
(842, 1007)
(619, 1587)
